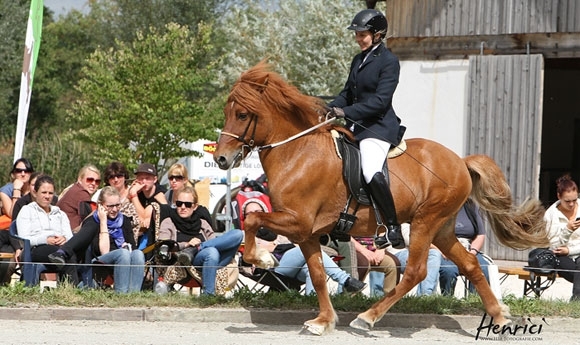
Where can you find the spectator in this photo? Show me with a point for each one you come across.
(470, 231)
(47, 227)
(562, 223)
(18, 186)
(116, 244)
(178, 178)
(76, 201)
(29, 197)
(369, 258)
(196, 239)
(292, 261)
(144, 191)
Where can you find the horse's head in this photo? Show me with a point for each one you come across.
(261, 109)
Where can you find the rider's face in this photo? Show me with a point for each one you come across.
(364, 39)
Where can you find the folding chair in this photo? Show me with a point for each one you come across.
(269, 278)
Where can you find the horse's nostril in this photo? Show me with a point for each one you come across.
(221, 161)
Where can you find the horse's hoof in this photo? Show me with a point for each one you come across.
(266, 259)
(313, 329)
(361, 324)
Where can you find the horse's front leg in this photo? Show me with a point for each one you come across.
(327, 318)
(254, 255)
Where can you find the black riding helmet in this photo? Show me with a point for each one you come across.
(371, 20)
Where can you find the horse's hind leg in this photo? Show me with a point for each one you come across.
(469, 266)
(415, 272)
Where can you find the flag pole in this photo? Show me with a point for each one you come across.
(31, 48)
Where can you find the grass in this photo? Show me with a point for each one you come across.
(68, 296)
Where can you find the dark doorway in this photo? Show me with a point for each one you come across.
(560, 125)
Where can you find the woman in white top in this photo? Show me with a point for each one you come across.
(46, 226)
(562, 222)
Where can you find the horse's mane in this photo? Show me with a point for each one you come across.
(262, 91)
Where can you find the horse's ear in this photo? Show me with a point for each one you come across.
(262, 84)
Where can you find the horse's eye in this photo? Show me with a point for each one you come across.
(242, 116)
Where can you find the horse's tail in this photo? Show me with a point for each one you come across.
(516, 227)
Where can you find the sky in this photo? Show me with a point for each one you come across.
(62, 6)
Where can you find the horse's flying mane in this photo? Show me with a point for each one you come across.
(262, 91)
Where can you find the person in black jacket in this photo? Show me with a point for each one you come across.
(113, 243)
(366, 102)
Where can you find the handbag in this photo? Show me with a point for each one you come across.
(175, 275)
(544, 259)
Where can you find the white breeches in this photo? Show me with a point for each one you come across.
(373, 153)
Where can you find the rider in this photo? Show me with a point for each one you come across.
(366, 102)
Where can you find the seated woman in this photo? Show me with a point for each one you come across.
(29, 197)
(115, 244)
(292, 261)
(563, 228)
(18, 186)
(47, 227)
(196, 239)
(111, 234)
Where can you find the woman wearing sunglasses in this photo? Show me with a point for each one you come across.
(178, 177)
(18, 186)
(196, 240)
(76, 201)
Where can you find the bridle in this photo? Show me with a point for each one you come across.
(242, 138)
(254, 119)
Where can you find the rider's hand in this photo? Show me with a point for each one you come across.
(338, 112)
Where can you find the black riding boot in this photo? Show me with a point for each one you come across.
(383, 199)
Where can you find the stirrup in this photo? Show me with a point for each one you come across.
(382, 242)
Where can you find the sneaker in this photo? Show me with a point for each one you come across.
(57, 259)
(354, 285)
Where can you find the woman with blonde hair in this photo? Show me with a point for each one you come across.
(178, 178)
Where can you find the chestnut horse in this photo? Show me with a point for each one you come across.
(429, 182)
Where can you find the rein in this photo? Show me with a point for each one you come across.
(250, 144)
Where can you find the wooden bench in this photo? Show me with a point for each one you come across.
(535, 282)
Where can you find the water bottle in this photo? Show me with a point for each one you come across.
(161, 287)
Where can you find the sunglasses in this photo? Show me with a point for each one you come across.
(116, 176)
(18, 170)
(187, 204)
(176, 178)
(110, 207)
(93, 180)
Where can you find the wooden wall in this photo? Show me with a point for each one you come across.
(433, 18)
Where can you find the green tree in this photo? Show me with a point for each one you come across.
(142, 102)
(305, 40)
